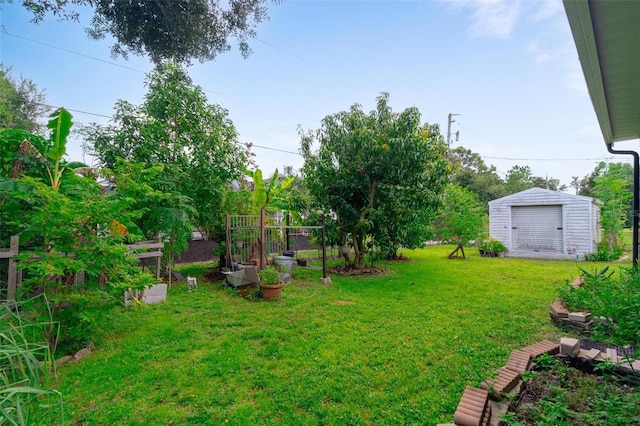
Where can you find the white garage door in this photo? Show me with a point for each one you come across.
(537, 228)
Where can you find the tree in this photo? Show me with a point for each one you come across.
(378, 173)
(21, 103)
(179, 30)
(472, 173)
(460, 219)
(612, 187)
(194, 143)
(518, 179)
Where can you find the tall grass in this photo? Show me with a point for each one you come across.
(25, 363)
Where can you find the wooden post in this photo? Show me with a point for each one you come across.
(262, 219)
(12, 282)
(227, 253)
(158, 261)
(324, 250)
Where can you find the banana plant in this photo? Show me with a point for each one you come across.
(60, 126)
(266, 193)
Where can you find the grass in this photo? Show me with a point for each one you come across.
(393, 349)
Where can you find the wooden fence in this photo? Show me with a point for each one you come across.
(15, 275)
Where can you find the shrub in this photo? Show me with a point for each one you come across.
(616, 298)
(604, 254)
(491, 247)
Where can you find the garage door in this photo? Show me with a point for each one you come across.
(537, 228)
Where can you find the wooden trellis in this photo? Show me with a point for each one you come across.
(251, 239)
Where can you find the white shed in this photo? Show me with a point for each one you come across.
(546, 224)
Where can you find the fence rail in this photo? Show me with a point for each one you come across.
(15, 276)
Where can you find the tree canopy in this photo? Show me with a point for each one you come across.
(381, 174)
(21, 102)
(194, 143)
(178, 30)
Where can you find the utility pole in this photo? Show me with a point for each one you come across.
(451, 120)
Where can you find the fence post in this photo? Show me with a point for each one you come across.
(158, 261)
(12, 282)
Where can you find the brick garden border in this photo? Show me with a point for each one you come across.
(483, 406)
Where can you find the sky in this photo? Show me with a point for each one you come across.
(508, 68)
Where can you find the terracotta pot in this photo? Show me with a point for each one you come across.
(270, 292)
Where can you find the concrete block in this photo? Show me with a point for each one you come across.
(577, 282)
(580, 326)
(544, 347)
(579, 316)
(559, 309)
(518, 361)
(590, 354)
(497, 409)
(503, 382)
(569, 346)
(155, 294)
(325, 280)
(612, 355)
(472, 408)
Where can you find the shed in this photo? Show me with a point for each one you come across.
(546, 224)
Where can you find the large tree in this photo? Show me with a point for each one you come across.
(472, 173)
(175, 128)
(22, 103)
(179, 30)
(378, 172)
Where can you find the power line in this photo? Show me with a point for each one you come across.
(52, 106)
(548, 159)
(115, 64)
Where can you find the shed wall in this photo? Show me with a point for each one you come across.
(580, 222)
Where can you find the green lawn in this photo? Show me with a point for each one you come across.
(394, 349)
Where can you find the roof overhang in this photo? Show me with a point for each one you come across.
(607, 36)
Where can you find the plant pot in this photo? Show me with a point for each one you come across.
(270, 292)
(302, 262)
(500, 254)
(238, 244)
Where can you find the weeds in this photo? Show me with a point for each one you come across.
(25, 363)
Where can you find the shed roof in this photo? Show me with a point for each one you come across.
(607, 37)
(551, 196)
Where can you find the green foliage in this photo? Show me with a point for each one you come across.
(471, 173)
(67, 226)
(491, 247)
(461, 218)
(381, 173)
(268, 193)
(604, 254)
(179, 30)
(25, 364)
(561, 395)
(269, 276)
(615, 297)
(612, 187)
(193, 142)
(21, 103)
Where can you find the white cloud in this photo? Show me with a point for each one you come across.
(547, 9)
(492, 18)
(540, 55)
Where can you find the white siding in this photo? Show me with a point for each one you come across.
(580, 222)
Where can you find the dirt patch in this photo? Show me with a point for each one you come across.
(399, 258)
(350, 271)
(214, 276)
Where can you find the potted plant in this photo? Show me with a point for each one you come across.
(302, 259)
(270, 283)
(492, 248)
